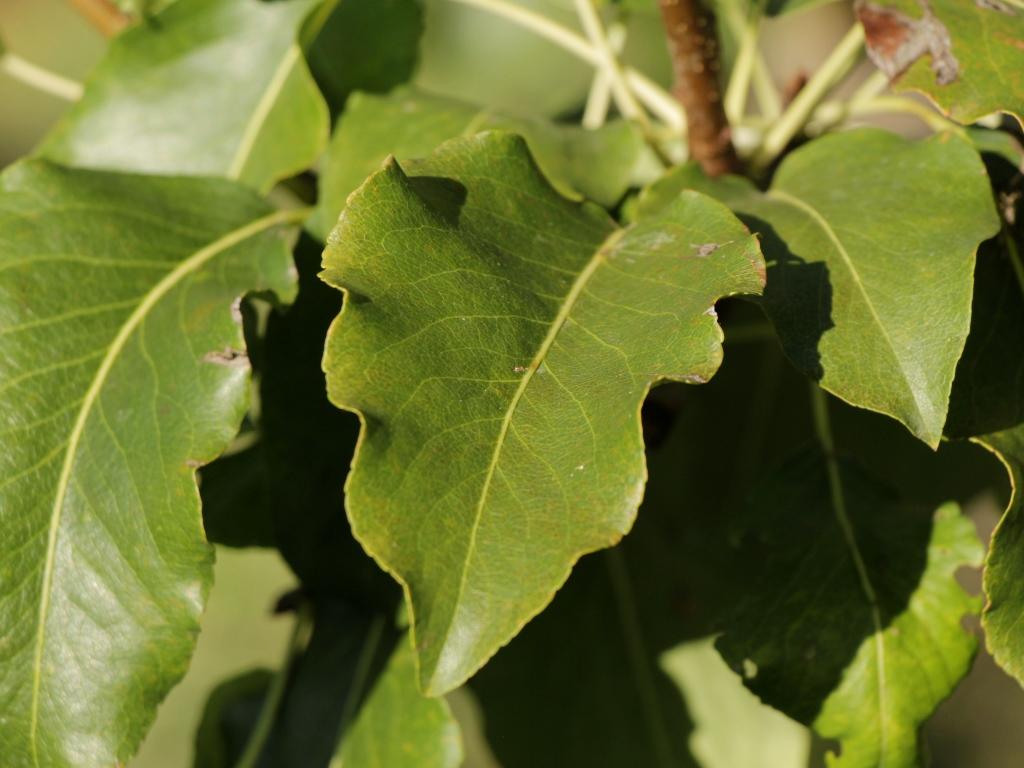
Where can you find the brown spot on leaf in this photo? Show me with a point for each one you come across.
(996, 5)
(234, 358)
(895, 41)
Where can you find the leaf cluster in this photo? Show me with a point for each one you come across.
(579, 456)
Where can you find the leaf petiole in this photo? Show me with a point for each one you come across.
(268, 713)
(39, 78)
(624, 97)
(653, 96)
(743, 68)
(801, 108)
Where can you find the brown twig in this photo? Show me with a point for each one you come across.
(103, 15)
(693, 46)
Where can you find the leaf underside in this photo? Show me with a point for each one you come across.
(497, 341)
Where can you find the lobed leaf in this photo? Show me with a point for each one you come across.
(871, 242)
(205, 88)
(639, 612)
(600, 164)
(123, 369)
(497, 341)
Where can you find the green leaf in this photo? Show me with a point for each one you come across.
(329, 682)
(398, 727)
(1004, 587)
(732, 728)
(870, 240)
(480, 305)
(600, 164)
(633, 613)
(285, 491)
(206, 87)
(987, 393)
(228, 719)
(851, 617)
(123, 370)
(965, 56)
(366, 45)
(581, 684)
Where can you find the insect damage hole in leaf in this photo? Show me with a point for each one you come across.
(496, 338)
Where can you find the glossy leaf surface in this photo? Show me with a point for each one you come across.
(480, 305)
(207, 87)
(853, 224)
(123, 369)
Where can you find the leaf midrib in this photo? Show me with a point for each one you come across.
(148, 302)
(822, 222)
(263, 108)
(838, 502)
(575, 291)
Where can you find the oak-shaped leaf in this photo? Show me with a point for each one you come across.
(851, 617)
(640, 613)
(205, 87)
(598, 164)
(497, 341)
(967, 57)
(870, 240)
(122, 369)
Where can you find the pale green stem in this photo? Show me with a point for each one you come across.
(661, 103)
(623, 95)
(736, 91)
(621, 92)
(829, 114)
(41, 79)
(360, 678)
(768, 99)
(653, 96)
(873, 85)
(883, 104)
(800, 109)
(599, 98)
(271, 704)
(823, 429)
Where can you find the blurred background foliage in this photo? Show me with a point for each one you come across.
(473, 56)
